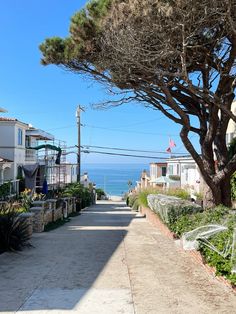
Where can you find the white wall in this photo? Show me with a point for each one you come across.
(71, 174)
(9, 147)
(231, 130)
(188, 171)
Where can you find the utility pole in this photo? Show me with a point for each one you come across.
(77, 114)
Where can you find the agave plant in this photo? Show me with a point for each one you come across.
(13, 230)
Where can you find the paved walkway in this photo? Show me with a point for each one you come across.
(108, 260)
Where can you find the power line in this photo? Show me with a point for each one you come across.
(126, 131)
(117, 154)
(130, 150)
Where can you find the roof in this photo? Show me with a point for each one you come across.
(5, 119)
(39, 134)
(177, 158)
(2, 109)
(162, 163)
(4, 160)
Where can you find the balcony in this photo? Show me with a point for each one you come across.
(30, 155)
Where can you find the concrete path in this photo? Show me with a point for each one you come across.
(108, 260)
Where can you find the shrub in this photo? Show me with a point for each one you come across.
(223, 264)
(131, 199)
(233, 186)
(189, 221)
(100, 193)
(83, 195)
(13, 231)
(178, 193)
(142, 197)
(174, 177)
(220, 215)
(5, 190)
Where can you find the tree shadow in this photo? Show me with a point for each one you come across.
(65, 263)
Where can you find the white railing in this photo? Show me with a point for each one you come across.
(30, 155)
(13, 187)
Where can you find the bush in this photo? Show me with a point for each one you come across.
(220, 215)
(83, 195)
(13, 231)
(5, 190)
(222, 264)
(183, 194)
(170, 208)
(233, 186)
(189, 221)
(131, 199)
(100, 193)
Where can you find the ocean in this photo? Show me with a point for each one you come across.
(113, 178)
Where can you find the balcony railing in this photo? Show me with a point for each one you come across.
(30, 155)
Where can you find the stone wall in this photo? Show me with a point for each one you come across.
(47, 216)
(28, 219)
(57, 214)
(38, 219)
(51, 210)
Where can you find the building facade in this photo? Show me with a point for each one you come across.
(186, 171)
(23, 145)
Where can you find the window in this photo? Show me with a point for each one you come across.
(177, 169)
(20, 137)
(163, 171)
(27, 141)
(186, 175)
(170, 169)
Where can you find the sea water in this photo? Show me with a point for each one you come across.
(113, 178)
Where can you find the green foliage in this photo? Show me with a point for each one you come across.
(84, 29)
(142, 197)
(131, 199)
(188, 221)
(232, 148)
(4, 190)
(176, 212)
(82, 194)
(233, 186)
(174, 177)
(178, 193)
(98, 9)
(108, 39)
(13, 230)
(219, 215)
(60, 222)
(55, 224)
(135, 205)
(222, 264)
(100, 193)
(54, 50)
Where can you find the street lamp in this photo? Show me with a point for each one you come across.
(77, 114)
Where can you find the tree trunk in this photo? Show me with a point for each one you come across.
(225, 187)
(211, 198)
(220, 194)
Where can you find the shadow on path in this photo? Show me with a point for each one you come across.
(66, 262)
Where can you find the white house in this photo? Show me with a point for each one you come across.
(186, 169)
(5, 166)
(157, 169)
(231, 130)
(71, 173)
(16, 143)
(12, 144)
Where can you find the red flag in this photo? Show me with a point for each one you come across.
(171, 143)
(168, 150)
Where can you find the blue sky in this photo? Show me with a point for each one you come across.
(47, 97)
